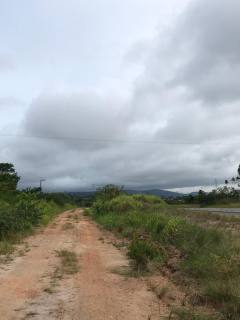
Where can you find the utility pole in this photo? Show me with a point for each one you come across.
(41, 181)
(216, 183)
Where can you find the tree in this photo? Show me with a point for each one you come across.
(8, 177)
(234, 180)
(109, 192)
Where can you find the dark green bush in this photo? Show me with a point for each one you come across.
(142, 252)
(149, 199)
(26, 211)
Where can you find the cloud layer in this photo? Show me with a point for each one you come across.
(177, 126)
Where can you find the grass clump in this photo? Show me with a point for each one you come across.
(69, 261)
(149, 199)
(142, 252)
(6, 247)
(186, 314)
(67, 226)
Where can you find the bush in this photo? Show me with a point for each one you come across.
(118, 205)
(28, 209)
(172, 231)
(123, 204)
(142, 252)
(149, 199)
(108, 192)
(59, 199)
(127, 203)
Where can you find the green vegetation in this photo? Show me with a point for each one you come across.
(185, 314)
(205, 257)
(68, 265)
(142, 252)
(225, 196)
(8, 177)
(21, 211)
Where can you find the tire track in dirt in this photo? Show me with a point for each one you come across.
(23, 279)
(103, 294)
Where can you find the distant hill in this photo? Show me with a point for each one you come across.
(84, 194)
(156, 192)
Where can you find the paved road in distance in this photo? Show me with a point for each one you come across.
(226, 211)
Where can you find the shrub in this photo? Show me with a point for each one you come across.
(99, 207)
(149, 199)
(123, 204)
(117, 205)
(142, 252)
(173, 230)
(126, 203)
(27, 210)
(108, 192)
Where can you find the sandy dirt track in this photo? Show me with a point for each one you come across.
(29, 288)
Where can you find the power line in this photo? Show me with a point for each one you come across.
(122, 141)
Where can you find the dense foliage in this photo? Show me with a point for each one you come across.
(8, 177)
(225, 195)
(20, 211)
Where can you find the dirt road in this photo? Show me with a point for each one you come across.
(33, 285)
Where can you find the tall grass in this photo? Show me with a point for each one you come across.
(208, 257)
(20, 213)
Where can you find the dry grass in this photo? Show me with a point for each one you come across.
(67, 226)
(69, 261)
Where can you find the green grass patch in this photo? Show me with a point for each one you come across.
(6, 247)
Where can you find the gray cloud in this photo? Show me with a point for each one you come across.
(207, 40)
(187, 100)
(6, 63)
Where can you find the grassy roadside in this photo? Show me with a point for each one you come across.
(198, 257)
(20, 213)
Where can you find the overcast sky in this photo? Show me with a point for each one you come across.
(144, 93)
